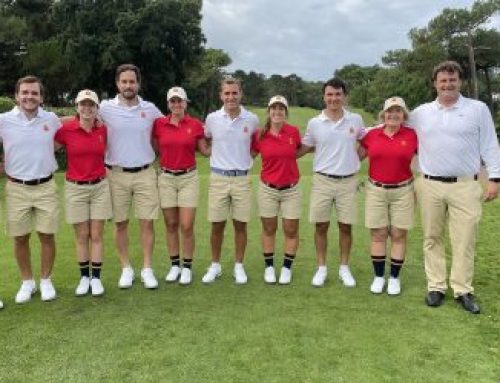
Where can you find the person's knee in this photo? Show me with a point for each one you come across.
(322, 228)
(291, 231)
(22, 241)
(345, 229)
(186, 228)
(379, 235)
(121, 226)
(269, 229)
(46, 239)
(172, 225)
(239, 226)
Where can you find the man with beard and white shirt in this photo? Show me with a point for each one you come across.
(333, 136)
(455, 134)
(27, 132)
(129, 120)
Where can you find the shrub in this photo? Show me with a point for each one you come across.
(6, 104)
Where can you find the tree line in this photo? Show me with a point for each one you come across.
(75, 44)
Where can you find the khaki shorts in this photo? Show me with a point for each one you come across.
(389, 207)
(178, 191)
(86, 202)
(229, 196)
(140, 187)
(327, 192)
(32, 204)
(272, 201)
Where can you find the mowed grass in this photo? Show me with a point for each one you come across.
(255, 332)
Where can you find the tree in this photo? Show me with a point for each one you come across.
(202, 82)
(465, 23)
(357, 79)
(163, 38)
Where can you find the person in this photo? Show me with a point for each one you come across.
(27, 132)
(129, 120)
(454, 134)
(177, 136)
(333, 136)
(86, 190)
(389, 198)
(230, 130)
(277, 142)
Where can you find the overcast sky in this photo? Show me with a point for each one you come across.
(312, 38)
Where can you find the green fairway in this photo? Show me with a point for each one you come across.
(256, 332)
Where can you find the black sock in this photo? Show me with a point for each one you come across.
(96, 270)
(396, 265)
(288, 260)
(378, 265)
(186, 263)
(84, 269)
(269, 259)
(176, 260)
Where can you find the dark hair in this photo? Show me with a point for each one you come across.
(448, 66)
(126, 67)
(229, 80)
(29, 80)
(336, 83)
(267, 125)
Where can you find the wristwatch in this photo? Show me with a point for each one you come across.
(496, 180)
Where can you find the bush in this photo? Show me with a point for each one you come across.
(6, 104)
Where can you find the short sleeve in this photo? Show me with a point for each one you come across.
(198, 129)
(255, 144)
(60, 136)
(208, 127)
(308, 139)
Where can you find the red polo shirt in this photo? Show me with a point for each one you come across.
(84, 150)
(278, 153)
(390, 157)
(177, 143)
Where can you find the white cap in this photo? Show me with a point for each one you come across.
(278, 100)
(87, 94)
(395, 101)
(178, 92)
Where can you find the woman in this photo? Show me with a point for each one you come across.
(390, 148)
(177, 136)
(277, 144)
(87, 193)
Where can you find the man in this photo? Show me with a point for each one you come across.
(129, 120)
(455, 133)
(333, 136)
(27, 132)
(230, 129)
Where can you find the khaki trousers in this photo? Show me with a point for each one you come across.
(459, 205)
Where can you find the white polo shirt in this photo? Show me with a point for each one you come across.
(335, 143)
(129, 132)
(29, 144)
(231, 139)
(452, 141)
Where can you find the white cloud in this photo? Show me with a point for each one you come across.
(313, 38)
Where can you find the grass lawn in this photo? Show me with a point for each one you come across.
(255, 332)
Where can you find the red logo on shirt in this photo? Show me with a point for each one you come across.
(46, 127)
(403, 143)
(143, 114)
(245, 130)
(189, 131)
(290, 140)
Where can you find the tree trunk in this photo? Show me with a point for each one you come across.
(472, 64)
